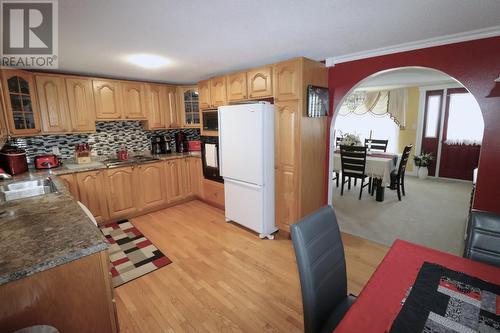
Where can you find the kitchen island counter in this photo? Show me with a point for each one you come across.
(43, 232)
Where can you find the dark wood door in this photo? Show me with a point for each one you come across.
(432, 126)
(458, 160)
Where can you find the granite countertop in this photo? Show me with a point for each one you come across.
(69, 166)
(46, 231)
(42, 232)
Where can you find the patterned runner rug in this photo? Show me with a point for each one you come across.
(132, 255)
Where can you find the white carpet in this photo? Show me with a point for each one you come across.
(433, 213)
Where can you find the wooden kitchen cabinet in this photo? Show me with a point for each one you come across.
(22, 113)
(260, 82)
(236, 86)
(92, 194)
(81, 104)
(192, 175)
(173, 117)
(152, 186)
(287, 161)
(213, 193)
(71, 184)
(108, 99)
(288, 80)
(157, 106)
(204, 91)
(75, 297)
(218, 91)
(134, 100)
(121, 192)
(189, 108)
(4, 132)
(53, 103)
(196, 174)
(174, 180)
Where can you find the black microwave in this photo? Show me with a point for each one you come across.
(210, 120)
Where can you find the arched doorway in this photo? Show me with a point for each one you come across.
(426, 124)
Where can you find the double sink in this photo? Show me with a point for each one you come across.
(26, 189)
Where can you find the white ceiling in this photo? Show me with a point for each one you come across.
(205, 38)
(406, 77)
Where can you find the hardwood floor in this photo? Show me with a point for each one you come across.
(223, 278)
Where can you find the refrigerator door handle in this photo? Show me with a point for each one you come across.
(249, 185)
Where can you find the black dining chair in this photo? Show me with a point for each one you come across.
(353, 160)
(337, 174)
(380, 145)
(398, 178)
(322, 270)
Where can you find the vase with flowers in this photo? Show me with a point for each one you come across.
(422, 161)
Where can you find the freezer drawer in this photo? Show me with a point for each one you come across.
(244, 204)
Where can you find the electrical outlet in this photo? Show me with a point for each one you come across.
(56, 151)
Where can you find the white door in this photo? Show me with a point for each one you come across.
(241, 143)
(244, 204)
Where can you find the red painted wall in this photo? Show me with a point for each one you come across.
(476, 64)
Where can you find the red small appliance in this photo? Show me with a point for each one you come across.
(194, 145)
(13, 160)
(48, 161)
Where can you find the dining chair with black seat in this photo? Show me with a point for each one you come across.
(379, 145)
(322, 269)
(398, 178)
(353, 161)
(337, 174)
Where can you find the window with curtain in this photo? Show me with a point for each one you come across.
(382, 127)
(465, 120)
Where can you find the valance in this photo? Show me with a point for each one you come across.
(392, 102)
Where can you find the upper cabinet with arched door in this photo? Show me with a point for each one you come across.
(260, 82)
(21, 112)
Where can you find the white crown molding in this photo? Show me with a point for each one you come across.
(420, 44)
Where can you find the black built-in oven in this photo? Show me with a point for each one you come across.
(210, 158)
(210, 120)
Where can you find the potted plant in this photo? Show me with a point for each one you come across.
(350, 140)
(422, 161)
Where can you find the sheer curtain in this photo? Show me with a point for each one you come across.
(465, 120)
(382, 127)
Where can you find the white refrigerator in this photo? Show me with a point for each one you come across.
(246, 160)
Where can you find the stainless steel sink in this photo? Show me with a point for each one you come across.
(26, 189)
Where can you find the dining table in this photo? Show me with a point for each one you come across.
(380, 301)
(379, 166)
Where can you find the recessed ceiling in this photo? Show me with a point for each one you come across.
(406, 77)
(205, 38)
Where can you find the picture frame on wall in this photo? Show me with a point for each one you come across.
(317, 101)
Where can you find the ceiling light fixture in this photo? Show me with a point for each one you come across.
(149, 61)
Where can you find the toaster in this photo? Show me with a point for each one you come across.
(47, 161)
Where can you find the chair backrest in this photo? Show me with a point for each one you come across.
(337, 141)
(353, 160)
(378, 144)
(404, 160)
(321, 262)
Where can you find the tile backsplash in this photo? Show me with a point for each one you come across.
(108, 138)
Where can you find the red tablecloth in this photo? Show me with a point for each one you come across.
(379, 302)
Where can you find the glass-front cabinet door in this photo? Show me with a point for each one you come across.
(21, 105)
(189, 104)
